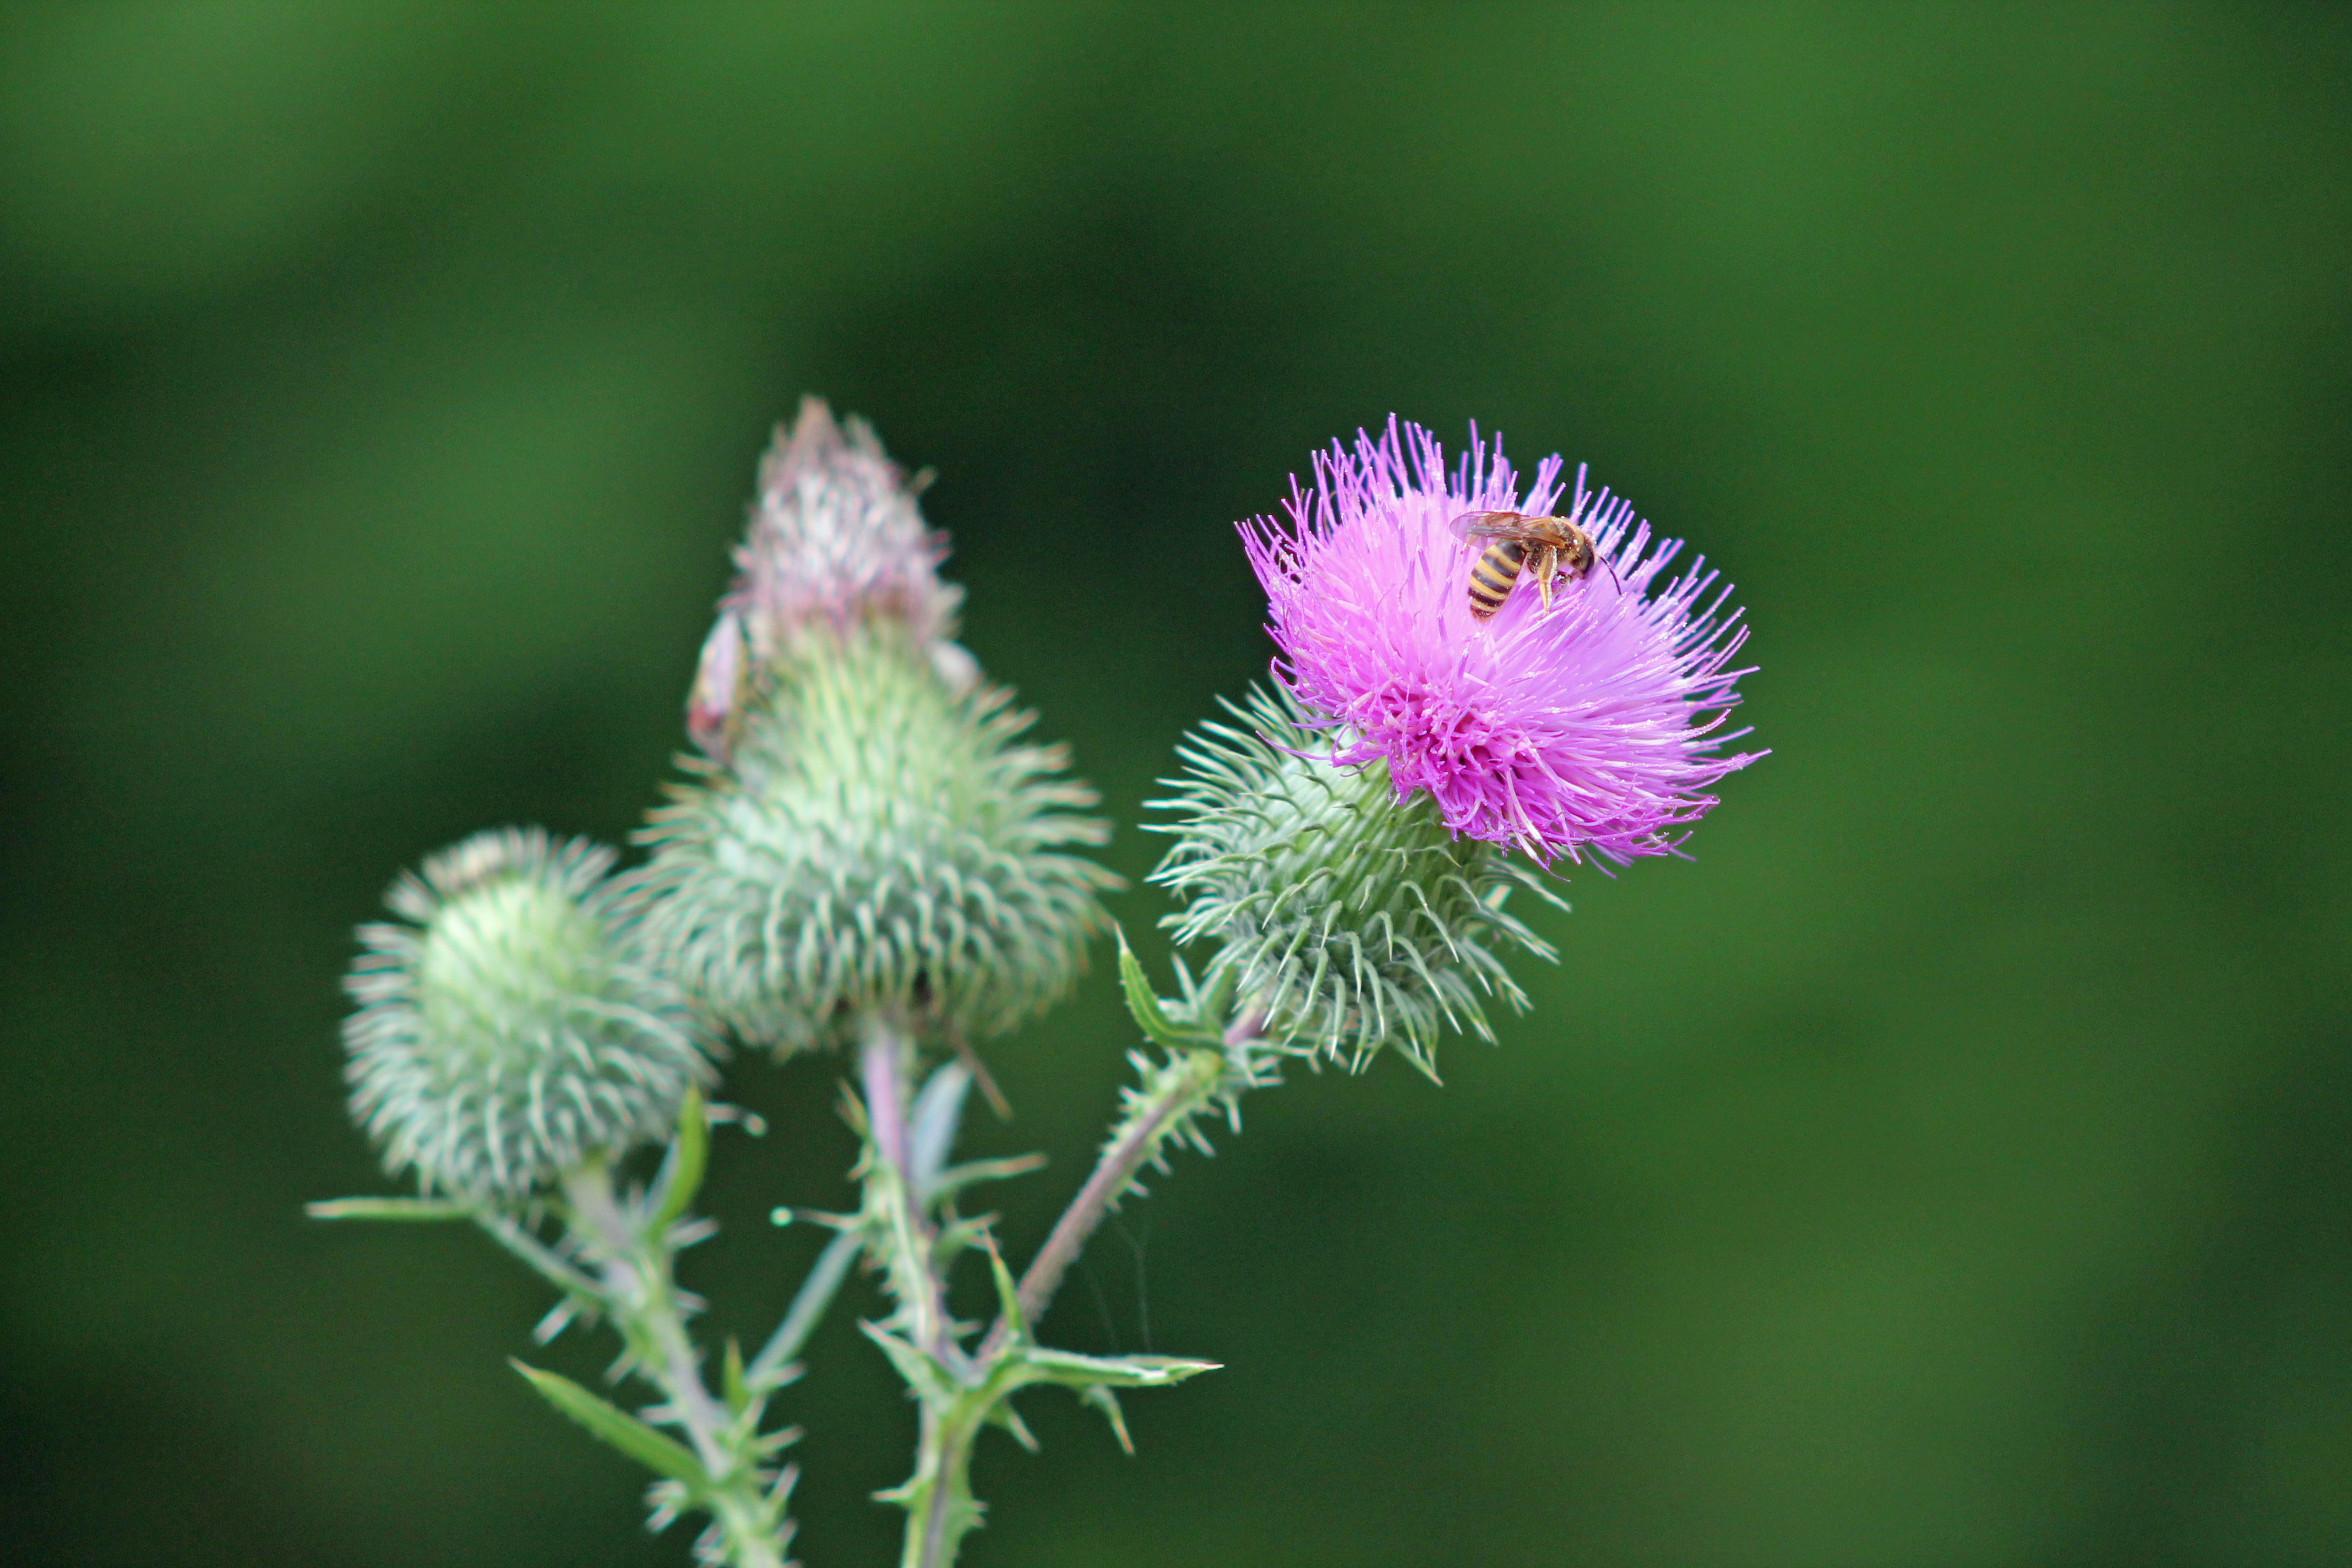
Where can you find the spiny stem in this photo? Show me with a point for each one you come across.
(1136, 1142)
(637, 1281)
(947, 1439)
(638, 1290)
(1178, 1095)
(883, 1061)
(940, 1509)
(904, 1235)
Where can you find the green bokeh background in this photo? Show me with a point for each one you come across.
(1952, 1163)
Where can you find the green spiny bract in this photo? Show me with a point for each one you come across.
(1352, 919)
(879, 841)
(508, 1031)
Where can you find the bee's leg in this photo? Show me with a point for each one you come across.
(1548, 563)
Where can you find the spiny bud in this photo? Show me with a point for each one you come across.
(507, 1031)
(873, 836)
(1351, 919)
(880, 842)
(834, 541)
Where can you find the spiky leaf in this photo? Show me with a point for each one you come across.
(408, 1209)
(682, 1170)
(1100, 1397)
(624, 1431)
(1074, 1370)
(930, 1380)
(1143, 1004)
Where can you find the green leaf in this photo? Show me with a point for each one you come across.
(1149, 1016)
(931, 1126)
(929, 1381)
(738, 1390)
(955, 1178)
(1073, 1370)
(1216, 997)
(768, 1368)
(389, 1208)
(1100, 1397)
(1002, 1413)
(509, 1233)
(624, 1431)
(1008, 1295)
(954, 1236)
(681, 1174)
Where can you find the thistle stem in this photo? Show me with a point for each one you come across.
(1163, 1108)
(638, 1289)
(948, 1438)
(883, 1064)
(955, 1406)
(902, 1232)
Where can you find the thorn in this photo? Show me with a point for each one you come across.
(749, 1121)
(980, 1076)
(558, 1317)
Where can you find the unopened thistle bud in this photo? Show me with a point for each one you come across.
(837, 539)
(872, 835)
(1352, 919)
(507, 1030)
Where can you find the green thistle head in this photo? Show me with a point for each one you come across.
(507, 1030)
(881, 841)
(1351, 919)
(866, 833)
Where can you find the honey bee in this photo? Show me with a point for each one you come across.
(1555, 546)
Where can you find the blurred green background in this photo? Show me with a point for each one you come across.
(1948, 1166)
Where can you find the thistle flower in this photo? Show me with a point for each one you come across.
(1349, 919)
(507, 1031)
(873, 836)
(1585, 728)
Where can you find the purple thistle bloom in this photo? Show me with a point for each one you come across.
(1589, 728)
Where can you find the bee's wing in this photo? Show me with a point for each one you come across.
(1473, 526)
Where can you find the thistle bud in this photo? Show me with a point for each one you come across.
(876, 836)
(507, 1031)
(1351, 919)
(836, 539)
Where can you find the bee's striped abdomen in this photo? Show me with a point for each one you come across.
(1491, 577)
